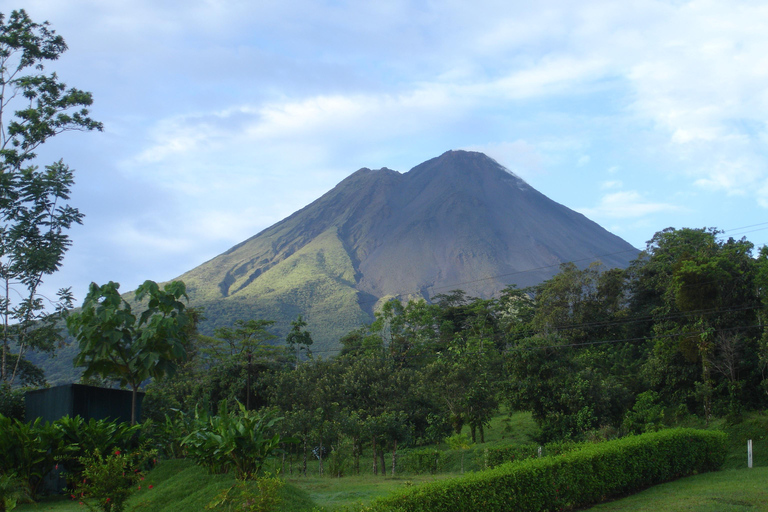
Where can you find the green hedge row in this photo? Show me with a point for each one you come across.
(517, 452)
(578, 478)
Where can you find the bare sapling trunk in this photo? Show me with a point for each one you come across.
(320, 457)
(394, 456)
(373, 448)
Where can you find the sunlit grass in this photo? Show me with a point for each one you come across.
(722, 491)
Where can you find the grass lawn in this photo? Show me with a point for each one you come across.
(723, 491)
(352, 491)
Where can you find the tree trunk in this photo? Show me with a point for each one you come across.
(394, 456)
(305, 455)
(473, 431)
(320, 457)
(482, 433)
(135, 388)
(383, 464)
(3, 375)
(375, 463)
(356, 449)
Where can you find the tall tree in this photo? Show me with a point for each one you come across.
(244, 347)
(299, 339)
(700, 295)
(118, 345)
(34, 216)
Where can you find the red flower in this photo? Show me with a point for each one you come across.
(117, 452)
(150, 486)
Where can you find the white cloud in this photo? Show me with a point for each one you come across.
(520, 156)
(611, 184)
(626, 205)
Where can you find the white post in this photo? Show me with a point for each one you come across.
(539, 451)
(749, 454)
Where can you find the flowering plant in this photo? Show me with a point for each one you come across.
(108, 481)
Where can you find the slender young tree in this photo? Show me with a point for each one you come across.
(34, 216)
(299, 339)
(117, 344)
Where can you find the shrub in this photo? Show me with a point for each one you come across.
(241, 442)
(28, 449)
(589, 475)
(647, 415)
(513, 453)
(78, 438)
(109, 481)
(11, 402)
(421, 461)
(12, 490)
(166, 436)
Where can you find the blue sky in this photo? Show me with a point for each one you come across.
(223, 117)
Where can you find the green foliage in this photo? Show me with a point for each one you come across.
(517, 452)
(421, 461)
(34, 215)
(167, 435)
(299, 339)
(77, 438)
(575, 479)
(317, 281)
(512, 453)
(11, 402)
(12, 490)
(241, 442)
(647, 415)
(32, 450)
(110, 480)
(28, 449)
(115, 344)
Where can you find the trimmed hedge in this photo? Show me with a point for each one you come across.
(517, 452)
(578, 478)
(425, 461)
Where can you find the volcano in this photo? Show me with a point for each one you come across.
(458, 221)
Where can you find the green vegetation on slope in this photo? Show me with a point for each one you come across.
(317, 281)
(179, 486)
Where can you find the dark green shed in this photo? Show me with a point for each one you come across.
(80, 400)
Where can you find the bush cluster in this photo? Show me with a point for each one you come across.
(32, 450)
(577, 478)
(493, 457)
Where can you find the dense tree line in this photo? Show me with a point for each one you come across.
(592, 351)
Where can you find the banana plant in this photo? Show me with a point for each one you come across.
(241, 442)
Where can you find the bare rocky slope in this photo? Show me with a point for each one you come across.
(460, 220)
